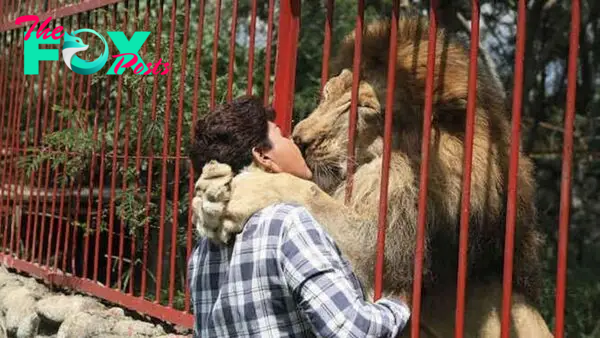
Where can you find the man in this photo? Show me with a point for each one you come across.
(283, 275)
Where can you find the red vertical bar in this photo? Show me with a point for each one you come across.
(4, 76)
(47, 176)
(63, 192)
(16, 149)
(199, 36)
(85, 126)
(287, 52)
(387, 150)
(186, 30)
(213, 82)
(18, 179)
(102, 156)
(165, 154)
(138, 153)
(468, 158)
(24, 149)
(150, 162)
(232, 51)
(39, 126)
(423, 177)
(53, 81)
(15, 111)
(511, 210)
(125, 169)
(267, 89)
(86, 246)
(565, 183)
(354, 103)
(251, 48)
(113, 177)
(12, 87)
(327, 43)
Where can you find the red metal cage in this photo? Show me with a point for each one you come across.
(73, 233)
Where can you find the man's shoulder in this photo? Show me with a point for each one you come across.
(278, 211)
(279, 218)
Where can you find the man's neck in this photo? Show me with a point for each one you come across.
(253, 167)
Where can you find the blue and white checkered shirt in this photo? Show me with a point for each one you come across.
(283, 277)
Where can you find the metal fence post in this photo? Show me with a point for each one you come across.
(285, 67)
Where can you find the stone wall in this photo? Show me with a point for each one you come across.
(29, 309)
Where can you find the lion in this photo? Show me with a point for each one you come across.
(323, 136)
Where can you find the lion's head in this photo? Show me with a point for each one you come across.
(323, 136)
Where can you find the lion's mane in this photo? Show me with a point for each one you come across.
(324, 134)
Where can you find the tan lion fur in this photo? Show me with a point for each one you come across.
(354, 227)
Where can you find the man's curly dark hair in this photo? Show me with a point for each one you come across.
(229, 132)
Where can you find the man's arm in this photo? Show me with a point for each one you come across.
(325, 293)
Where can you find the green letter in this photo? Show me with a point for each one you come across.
(128, 46)
(32, 54)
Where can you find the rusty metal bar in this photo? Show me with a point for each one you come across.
(4, 88)
(15, 111)
(213, 81)
(565, 183)
(86, 244)
(39, 128)
(232, 51)
(511, 209)
(327, 43)
(251, 48)
(186, 29)
(287, 52)
(64, 173)
(138, 152)
(387, 150)
(6, 142)
(354, 100)
(18, 199)
(267, 84)
(150, 165)
(165, 152)
(468, 161)
(113, 177)
(102, 162)
(125, 182)
(47, 175)
(424, 174)
(41, 83)
(78, 178)
(65, 11)
(198, 60)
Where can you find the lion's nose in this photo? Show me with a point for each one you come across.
(301, 145)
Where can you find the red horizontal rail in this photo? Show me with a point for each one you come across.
(134, 303)
(64, 11)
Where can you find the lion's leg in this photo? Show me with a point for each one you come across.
(483, 311)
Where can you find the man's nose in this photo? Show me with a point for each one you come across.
(301, 145)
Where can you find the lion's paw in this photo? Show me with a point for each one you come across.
(213, 191)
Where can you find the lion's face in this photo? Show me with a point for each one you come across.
(323, 135)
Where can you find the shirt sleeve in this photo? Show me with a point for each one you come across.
(323, 290)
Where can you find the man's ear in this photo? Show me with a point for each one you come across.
(263, 160)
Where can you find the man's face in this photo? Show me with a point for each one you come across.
(286, 155)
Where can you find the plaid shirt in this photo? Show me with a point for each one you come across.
(283, 277)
